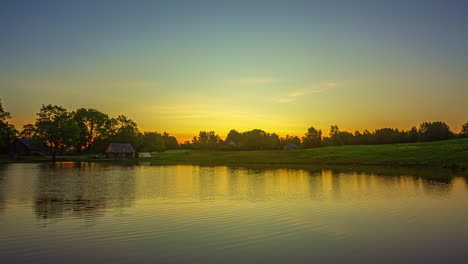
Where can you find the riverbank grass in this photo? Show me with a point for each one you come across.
(442, 154)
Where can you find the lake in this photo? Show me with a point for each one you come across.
(109, 213)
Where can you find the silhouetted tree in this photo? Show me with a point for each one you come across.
(290, 140)
(152, 141)
(413, 135)
(7, 130)
(28, 131)
(125, 130)
(233, 136)
(258, 139)
(207, 138)
(93, 125)
(313, 138)
(434, 131)
(56, 128)
(464, 131)
(170, 142)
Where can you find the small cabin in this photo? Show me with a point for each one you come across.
(26, 147)
(119, 150)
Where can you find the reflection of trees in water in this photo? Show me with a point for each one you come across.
(82, 190)
(85, 190)
(3, 169)
(343, 183)
(260, 184)
(436, 188)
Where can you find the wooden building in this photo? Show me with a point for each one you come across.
(119, 150)
(25, 147)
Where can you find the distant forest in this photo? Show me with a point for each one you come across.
(90, 131)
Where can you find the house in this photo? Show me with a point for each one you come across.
(25, 147)
(119, 150)
(290, 146)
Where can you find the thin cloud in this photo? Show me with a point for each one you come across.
(303, 92)
(253, 81)
(283, 99)
(139, 84)
(316, 89)
(335, 84)
(196, 111)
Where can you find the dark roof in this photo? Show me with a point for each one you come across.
(119, 148)
(29, 144)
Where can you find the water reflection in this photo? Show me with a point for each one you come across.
(82, 189)
(2, 187)
(160, 214)
(86, 190)
(254, 185)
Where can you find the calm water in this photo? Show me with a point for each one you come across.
(104, 213)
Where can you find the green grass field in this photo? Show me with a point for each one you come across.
(441, 154)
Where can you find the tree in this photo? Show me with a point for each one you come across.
(464, 131)
(56, 128)
(253, 140)
(125, 130)
(28, 131)
(313, 138)
(170, 142)
(413, 135)
(272, 141)
(93, 125)
(290, 140)
(207, 138)
(152, 141)
(7, 130)
(434, 131)
(233, 136)
(335, 135)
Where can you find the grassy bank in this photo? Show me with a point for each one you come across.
(441, 154)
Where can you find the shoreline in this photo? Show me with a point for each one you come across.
(451, 154)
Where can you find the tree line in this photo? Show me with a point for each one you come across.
(60, 131)
(260, 140)
(90, 131)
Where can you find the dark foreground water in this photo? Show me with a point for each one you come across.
(104, 213)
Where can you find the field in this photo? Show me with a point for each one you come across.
(441, 154)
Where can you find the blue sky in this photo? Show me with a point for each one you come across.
(185, 66)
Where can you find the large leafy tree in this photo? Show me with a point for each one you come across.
(7, 130)
(170, 142)
(434, 131)
(152, 141)
(28, 131)
(93, 125)
(464, 132)
(313, 138)
(234, 136)
(56, 128)
(290, 140)
(258, 139)
(207, 138)
(125, 130)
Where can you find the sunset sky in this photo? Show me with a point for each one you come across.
(281, 66)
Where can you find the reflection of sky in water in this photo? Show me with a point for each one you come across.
(181, 213)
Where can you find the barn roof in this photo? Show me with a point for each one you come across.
(29, 144)
(119, 148)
